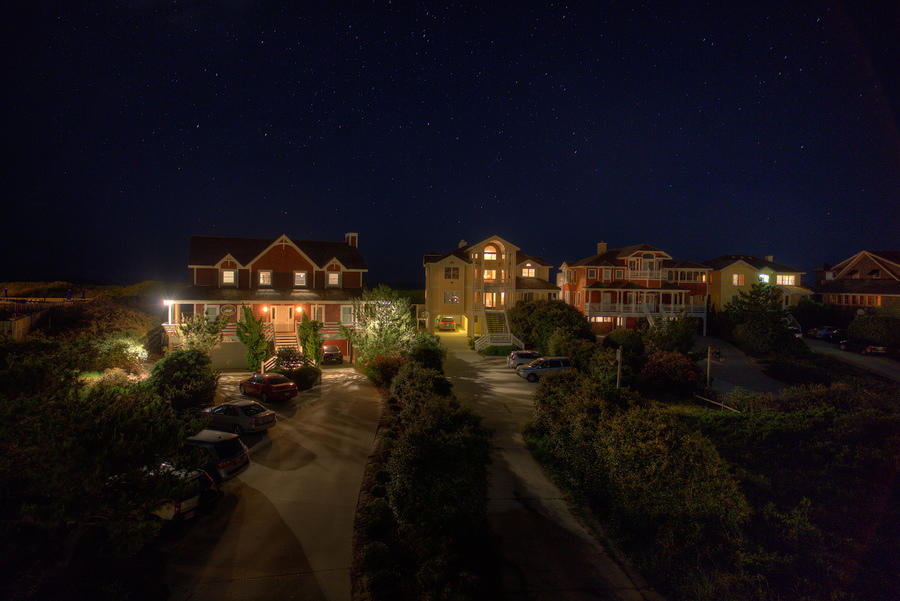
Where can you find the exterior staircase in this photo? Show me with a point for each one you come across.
(498, 333)
(286, 340)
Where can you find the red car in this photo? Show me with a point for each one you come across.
(269, 386)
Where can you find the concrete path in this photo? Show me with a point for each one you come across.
(734, 368)
(284, 527)
(882, 366)
(545, 552)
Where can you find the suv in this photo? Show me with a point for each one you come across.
(227, 455)
(332, 354)
(517, 358)
(447, 323)
(545, 365)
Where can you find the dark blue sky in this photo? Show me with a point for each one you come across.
(703, 130)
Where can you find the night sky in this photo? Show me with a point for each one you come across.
(736, 127)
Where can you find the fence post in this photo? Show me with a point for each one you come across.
(619, 367)
(708, 362)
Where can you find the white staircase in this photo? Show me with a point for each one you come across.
(286, 340)
(498, 333)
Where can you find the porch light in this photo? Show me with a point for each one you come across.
(299, 309)
(167, 303)
(265, 309)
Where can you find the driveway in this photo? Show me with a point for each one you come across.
(545, 552)
(734, 368)
(284, 527)
(878, 365)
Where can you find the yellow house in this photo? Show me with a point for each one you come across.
(475, 284)
(733, 274)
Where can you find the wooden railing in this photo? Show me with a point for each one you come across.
(642, 308)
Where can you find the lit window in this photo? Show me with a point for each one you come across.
(265, 278)
(490, 299)
(764, 278)
(578, 299)
(737, 279)
(334, 278)
(346, 314)
(451, 297)
(299, 279)
(211, 312)
(785, 280)
(229, 277)
(702, 277)
(490, 253)
(528, 272)
(490, 275)
(592, 274)
(451, 273)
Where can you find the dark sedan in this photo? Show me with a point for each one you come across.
(269, 387)
(332, 354)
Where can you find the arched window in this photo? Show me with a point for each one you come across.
(490, 253)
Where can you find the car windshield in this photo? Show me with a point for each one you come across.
(253, 409)
(331, 349)
(228, 448)
(278, 380)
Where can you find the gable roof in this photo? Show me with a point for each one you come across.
(887, 259)
(459, 253)
(208, 250)
(612, 257)
(522, 258)
(724, 261)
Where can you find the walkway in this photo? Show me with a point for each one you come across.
(882, 366)
(545, 552)
(285, 526)
(734, 368)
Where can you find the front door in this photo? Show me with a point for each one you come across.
(283, 318)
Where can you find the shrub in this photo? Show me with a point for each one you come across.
(630, 342)
(534, 322)
(499, 351)
(381, 369)
(414, 383)
(471, 342)
(376, 555)
(186, 378)
(121, 351)
(563, 343)
(305, 377)
(604, 368)
(426, 350)
(675, 335)
(876, 329)
(378, 491)
(289, 358)
(671, 372)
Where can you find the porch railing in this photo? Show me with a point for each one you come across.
(611, 309)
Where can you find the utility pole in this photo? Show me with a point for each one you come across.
(708, 362)
(619, 367)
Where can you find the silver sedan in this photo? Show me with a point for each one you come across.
(241, 416)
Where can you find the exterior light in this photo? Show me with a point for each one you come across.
(167, 303)
(265, 309)
(299, 309)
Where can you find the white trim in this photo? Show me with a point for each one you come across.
(259, 273)
(287, 242)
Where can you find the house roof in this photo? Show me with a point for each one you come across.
(522, 258)
(684, 265)
(459, 253)
(237, 295)
(755, 262)
(209, 250)
(611, 257)
(523, 283)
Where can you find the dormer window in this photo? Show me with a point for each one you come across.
(490, 253)
(300, 279)
(592, 274)
(229, 277)
(528, 272)
(265, 278)
(334, 278)
(451, 273)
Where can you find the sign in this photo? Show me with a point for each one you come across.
(227, 309)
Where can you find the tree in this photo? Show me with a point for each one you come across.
(759, 321)
(310, 338)
(383, 323)
(535, 321)
(252, 332)
(674, 335)
(186, 378)
(201, 333)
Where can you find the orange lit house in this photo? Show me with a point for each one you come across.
(868, 279)
(617, 287)
(280, 279)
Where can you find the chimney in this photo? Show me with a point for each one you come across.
(770, 258)
(601, 248)
(352, 239)
(462, 243)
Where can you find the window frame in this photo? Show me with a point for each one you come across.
(528, 272)
(349, 310)
(328, 275)
(737, 280)
(592, 274)
(305, 283)
(260, 276)
(493, 273)
(234, 274)
(451, 270)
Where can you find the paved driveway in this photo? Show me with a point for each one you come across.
(284, 527)
(879, 365)
(545, 552)
(734, 368)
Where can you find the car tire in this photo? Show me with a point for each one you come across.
(532, 378)
(263, 398)
(237, 430)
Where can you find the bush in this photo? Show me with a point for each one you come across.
(381, 369)
(305, 377)
(534, 322)
(563, 343)
(426, 350)
(672, 373)
(414, 383)
(121, 351)
(186, 378)
(603, 367)
(630, 342)
(675, 335)
(471, 342)
(876, 329)
(289, 358)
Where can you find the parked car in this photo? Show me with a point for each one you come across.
(269, 386)
(241, 416)
(517, 358)
(545, 365)
(199, 490)
(227, 455)
(822, 332)
(447, 323)
(836, 335)
(332, 354)
(862, 347)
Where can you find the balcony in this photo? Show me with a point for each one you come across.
(638, 309)
(643, 274)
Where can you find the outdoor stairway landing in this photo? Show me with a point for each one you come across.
(496, 322)
(286, 340)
